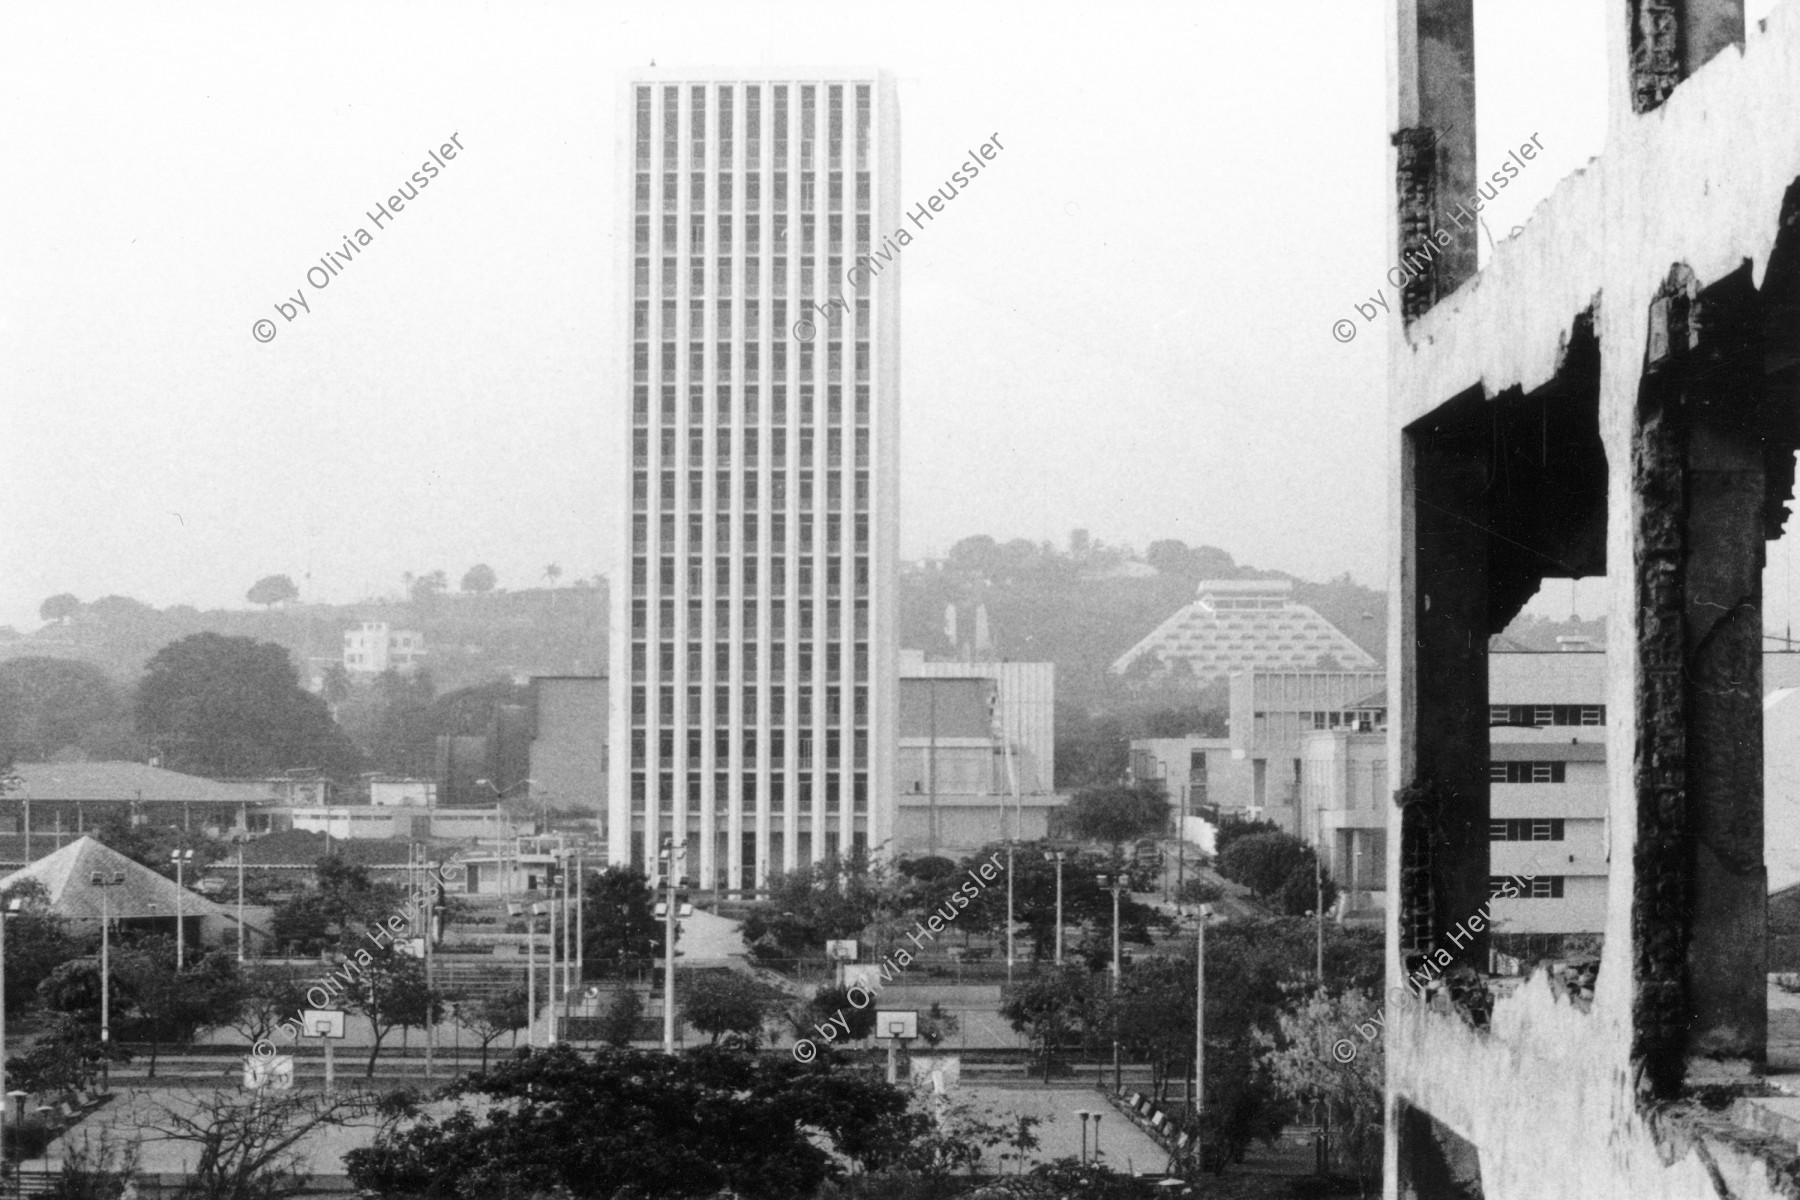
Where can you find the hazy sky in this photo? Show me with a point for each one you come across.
(1123, 325)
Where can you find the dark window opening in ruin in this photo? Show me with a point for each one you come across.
(1505, 493)
(1434, 1163)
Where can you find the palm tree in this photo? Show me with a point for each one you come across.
(553, 573)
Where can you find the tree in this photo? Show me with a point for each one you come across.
(492, 1016)
(830, 901)
(271, 994)
(938, 1024)
(151, 845)
(619, 1024)
(1116, 815)
(1309, 1065)
(479, 579)
(394, 730)
(232, 706)
(619, 924)
(1231, 831)
(682, 1127)
(271, 590)
(66, 1055)
(173, 1005)
(94, 1168)
(50, 707)
(832, 1002)
(390, 991)
(1052, 1006)
(1085, 902)
(1277, 867)
(552, 573)
(424, 589)
(59, 608)
(721, 1002)
(247, 1151)
(37, 943)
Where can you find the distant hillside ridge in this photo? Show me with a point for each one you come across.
(470, 638)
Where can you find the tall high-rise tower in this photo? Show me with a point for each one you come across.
(753, 621)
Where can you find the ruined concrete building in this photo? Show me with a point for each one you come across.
(1613, 394)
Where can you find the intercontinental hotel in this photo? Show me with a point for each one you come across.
(753, 647)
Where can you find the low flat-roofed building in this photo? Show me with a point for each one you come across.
(69, 798)
(976, 754)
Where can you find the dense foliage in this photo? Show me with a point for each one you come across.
(232, 706)
(674, 1126)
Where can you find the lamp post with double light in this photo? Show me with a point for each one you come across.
(11, 910)
(1116, 884)
(670, 857)
(181, 858)
(1058, 857)
(106, 881)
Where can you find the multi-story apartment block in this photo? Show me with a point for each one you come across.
(1547, 789)
(372, 648)
(753, 640)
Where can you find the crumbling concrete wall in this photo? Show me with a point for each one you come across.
(1560, 1102)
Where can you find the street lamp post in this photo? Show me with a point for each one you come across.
(241, 839)
(671, 856)
(105, 881)
(181, 858)
(1084, 1114)
(1115, 884)
(1319, 890)
(1198, 1101)
(12, 907)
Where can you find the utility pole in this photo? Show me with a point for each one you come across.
(242, 839)
(671, 855)
(550, 954)
(1319, 890)
(1116, 884)
(1199, 1099)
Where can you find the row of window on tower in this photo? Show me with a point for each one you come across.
(698, 226)
(803, 490)
(832, 659)
(748, 542)
(722, 613)
(748, 408)
(669, 798)
(804, 759)
(724, 125)
(750, 442)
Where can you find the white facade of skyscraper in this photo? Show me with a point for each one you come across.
(753, 632)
